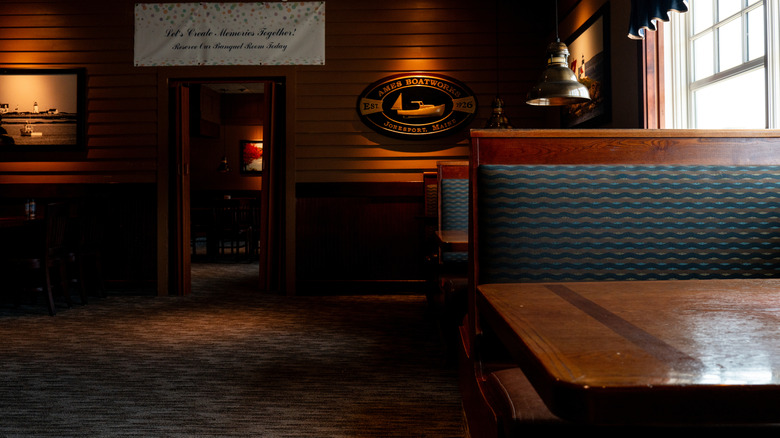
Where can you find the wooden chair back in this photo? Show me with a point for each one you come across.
(453, 196)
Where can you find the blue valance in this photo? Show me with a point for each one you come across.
(644, 14)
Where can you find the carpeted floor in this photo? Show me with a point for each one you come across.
(227, 361)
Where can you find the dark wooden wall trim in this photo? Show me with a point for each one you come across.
(317, 190)
(360, 237)
(652, 79)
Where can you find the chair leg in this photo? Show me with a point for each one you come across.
(64, 283)
(49, 295)
(50, 303)
(81, 279)
(100, 284)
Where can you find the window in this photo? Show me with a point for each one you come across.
(721, 65)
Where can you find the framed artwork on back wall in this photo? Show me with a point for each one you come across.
(42, 110)
(251, 154)
(589, 58)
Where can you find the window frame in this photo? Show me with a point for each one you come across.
(678, 86)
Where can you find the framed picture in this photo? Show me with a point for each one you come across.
(42, 110)
(589, 59)
(251, 154)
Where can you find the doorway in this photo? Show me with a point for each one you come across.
(223, 191)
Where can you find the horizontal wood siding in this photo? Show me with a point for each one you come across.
(117, 170)
(121, 140)
(368, 40)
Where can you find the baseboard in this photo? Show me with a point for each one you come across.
(361, 287)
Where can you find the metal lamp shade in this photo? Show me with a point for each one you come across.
(558, 85)
(498, 120)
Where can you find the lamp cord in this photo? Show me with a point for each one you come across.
(497, 60)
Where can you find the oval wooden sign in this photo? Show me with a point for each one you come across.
(417, 106)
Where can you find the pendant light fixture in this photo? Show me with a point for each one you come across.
(558, 85)
(497, 119)
(223, 165)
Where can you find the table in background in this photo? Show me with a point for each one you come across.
(14, 230)
(14, 221)
(226, 224)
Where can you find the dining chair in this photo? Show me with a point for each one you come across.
(83, 253)
(203, 220)
(226, 223)
(235, 227)
(37, 257)
(452, 205)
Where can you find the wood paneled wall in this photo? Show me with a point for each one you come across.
(493, 46)
(360, 237)
(368, 40)
(121, 99)
(117, 170)
(360, 197)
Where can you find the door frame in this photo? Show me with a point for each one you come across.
(272, 209)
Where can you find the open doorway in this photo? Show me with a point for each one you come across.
(223, 193)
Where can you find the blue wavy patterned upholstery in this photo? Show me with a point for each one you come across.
(454, 257)
(454, 212)
(431, 199)
(454, 204)
(595, 222)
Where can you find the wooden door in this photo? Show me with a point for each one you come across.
(181, 258)
(270, 196)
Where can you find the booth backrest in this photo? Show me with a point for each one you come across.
(431, 184)
(635, 222)
(454, 204)
(581, 205)
(453, 177)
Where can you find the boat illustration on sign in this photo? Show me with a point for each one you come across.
(28, 131)
(416, 106)
(423, 110)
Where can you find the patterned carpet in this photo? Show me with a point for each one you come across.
(227, 361)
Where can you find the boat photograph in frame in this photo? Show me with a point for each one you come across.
(42, 110)
(589, 59)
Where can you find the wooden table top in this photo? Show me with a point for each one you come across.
(685, 351)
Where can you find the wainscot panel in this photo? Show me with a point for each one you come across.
(360, 238)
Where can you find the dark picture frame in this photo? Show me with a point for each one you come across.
(590, 43)
(42, 111)
(251, 156)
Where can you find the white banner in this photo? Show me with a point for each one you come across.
(257, 33)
